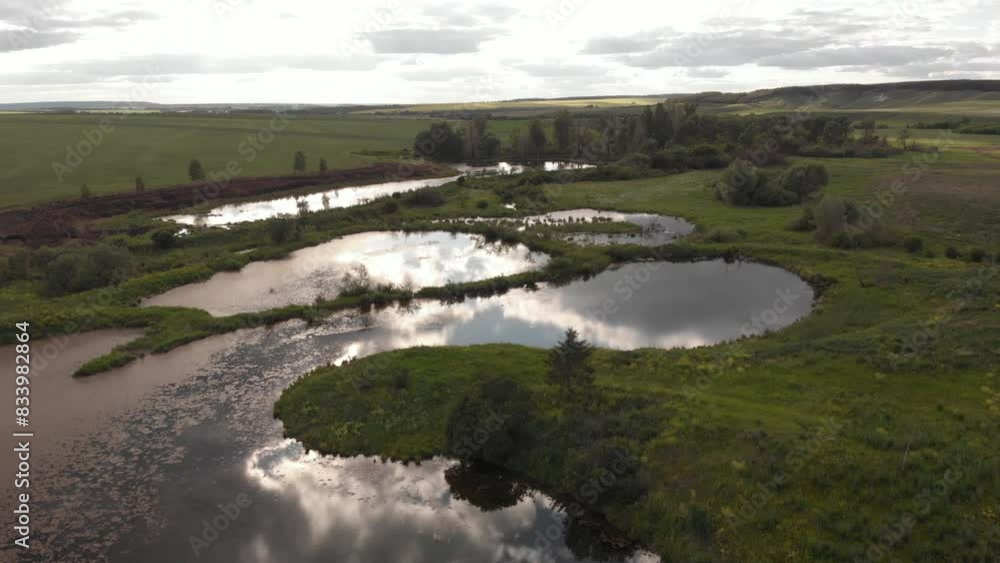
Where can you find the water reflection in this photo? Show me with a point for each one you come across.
(347, 196)
(406, 259)
(654, 230)
(341, 197)
(137, 482)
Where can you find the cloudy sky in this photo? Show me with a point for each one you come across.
(399, 51)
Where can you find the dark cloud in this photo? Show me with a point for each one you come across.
(870, 56)
(441, 41)
(24, 39)
(728, 48)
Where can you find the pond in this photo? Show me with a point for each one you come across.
(148, 471)
(347, 196)
(412, 260)
(654, 230)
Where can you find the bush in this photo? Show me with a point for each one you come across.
(163, 239)
(18, 265)
(87, 268)
(952, 252)
(806, 222)
(482, 204)
(637, 160)
(401, 379)
(473, 431)
(804, 180)
(283, 230)
(725, 235)
(977, 255)
(390, 207)
(707, 156)
(913, 244)
(426, 198)
(742, 184)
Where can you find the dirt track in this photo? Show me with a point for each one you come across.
(50, 222)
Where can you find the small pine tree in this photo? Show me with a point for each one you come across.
(84, 192)
(300, 161)
(322, 166)
(568, 363)
(196, 171)
(140, 185)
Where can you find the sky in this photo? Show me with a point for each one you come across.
(405, 51)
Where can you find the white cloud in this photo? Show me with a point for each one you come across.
(393, 51)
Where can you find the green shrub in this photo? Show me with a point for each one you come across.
(725, 235)
(806, 222)
(426, 198)
(803, 180)
(401, 379)
(952, 252)
(977, 255)
(18, 265)
(163, 239)
(390, 207)
(81, 269)
(482, 204)
(743, 184)
(913, 244)
(283, 230)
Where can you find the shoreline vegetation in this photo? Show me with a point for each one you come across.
(807, 444)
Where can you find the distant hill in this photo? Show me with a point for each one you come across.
(959, 97)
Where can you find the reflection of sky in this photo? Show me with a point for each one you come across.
(680, 305)
(198, 430)
(656, 229)
(372, 511)
(420, 259)
(341, 197)
(347, 196)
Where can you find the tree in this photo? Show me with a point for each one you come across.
(440, 142)
(568, 363)
(84, 192)
(322, 166)
(517, 142)
(140, 185)
(163, 239)
(904, 136)
(536, 132)
(563, 125)
(868, 127)
(300, 161)
(196, 171)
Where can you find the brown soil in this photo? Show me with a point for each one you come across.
(51, 222)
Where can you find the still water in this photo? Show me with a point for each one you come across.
(654, 230)
(347, 196)
(412, 260)
(139, 478)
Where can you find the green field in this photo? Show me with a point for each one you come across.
(873, 433)
(159, 147)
